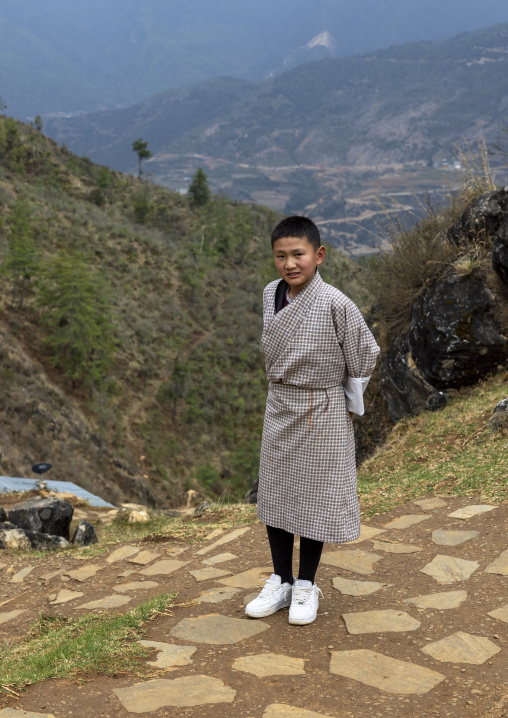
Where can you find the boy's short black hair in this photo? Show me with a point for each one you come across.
(297, 227)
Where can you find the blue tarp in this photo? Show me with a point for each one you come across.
(8, 483)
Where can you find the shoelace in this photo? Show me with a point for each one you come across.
(267, 589)
(302, 594)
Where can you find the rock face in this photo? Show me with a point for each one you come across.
(47, 516)
(3, 515)
(85, 534)
(500, 252)
(455, 338)
(482, 218)
(403, 387)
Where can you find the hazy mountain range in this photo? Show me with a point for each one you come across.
(309, 139)
(61, 56)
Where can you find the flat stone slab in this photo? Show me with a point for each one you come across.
(367, 532)
(427, 504)
(52, 574)
(349, 587)
(64, 596)
(164, 567)
(467, 512)
(20, 576)
(452, 538)
(135, 586)
(217, 629)
(441, 601)
(462, 648)
(122, 553)
(500, 565)
(18, 713)
(281, 710)
(500, 613)
(253, 578)
(354, 560)
(390, 547)
(179, 692)
(83, 572)
(388, 621)
(107, 602)
(406, 521)
(447, 569)
(170, 656)
(144, 557)
(217, 594)
(223, 540)
(205, 574)
(388, 674)
(220, 558)
(10, 615)
(270, 664)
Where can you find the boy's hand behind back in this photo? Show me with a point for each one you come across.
(351, 414)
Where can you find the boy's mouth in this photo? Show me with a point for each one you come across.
(291, 275)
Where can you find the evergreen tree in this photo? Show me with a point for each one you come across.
(21, 258)
(199, 191)
(142, 151)
(77, 318)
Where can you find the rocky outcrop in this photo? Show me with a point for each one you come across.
(46, 516)
(403, 387)
(500, 252)
(455, 338)
(482, 219)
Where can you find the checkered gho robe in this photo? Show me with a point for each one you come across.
(307, 476)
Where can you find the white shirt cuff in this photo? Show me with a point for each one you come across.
(354, 389)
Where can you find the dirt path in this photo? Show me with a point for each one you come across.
(414, 622)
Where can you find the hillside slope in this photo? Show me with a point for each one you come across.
(129, 325)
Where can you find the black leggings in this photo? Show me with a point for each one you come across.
(281, 546)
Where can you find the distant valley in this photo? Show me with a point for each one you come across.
(345, 140)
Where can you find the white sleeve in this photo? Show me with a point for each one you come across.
(354, 390)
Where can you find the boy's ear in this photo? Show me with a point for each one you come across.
(320, 255)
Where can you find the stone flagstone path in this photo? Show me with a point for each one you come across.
(413, 623)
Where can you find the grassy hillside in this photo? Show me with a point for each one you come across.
(130, 323)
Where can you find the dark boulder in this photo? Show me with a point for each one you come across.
(3, 515)
(85, 534)
(251, 497)
(402, 386)
(45, 542)
(500, 253)
(47, 516)
(482, 218)
(455, 338)
(499, 418)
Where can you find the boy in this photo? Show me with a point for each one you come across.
(319, 358)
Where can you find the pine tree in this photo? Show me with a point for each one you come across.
(77, 318)
(142, 151)
(21, 260)
(199, 190)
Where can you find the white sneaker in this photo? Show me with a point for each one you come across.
(274, 596)
(304, 602)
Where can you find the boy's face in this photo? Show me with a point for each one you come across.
(296, 261)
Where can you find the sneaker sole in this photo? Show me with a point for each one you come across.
(301, 621)
(267, 611)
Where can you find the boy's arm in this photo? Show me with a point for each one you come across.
(360, 352)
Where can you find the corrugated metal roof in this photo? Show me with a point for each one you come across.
(8, 483)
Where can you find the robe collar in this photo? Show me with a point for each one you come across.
(281, 327)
